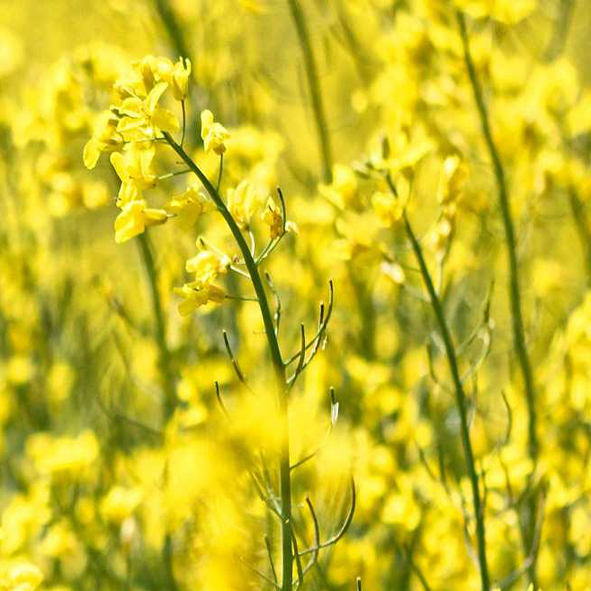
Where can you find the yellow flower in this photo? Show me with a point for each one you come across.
(388, 208)
(179, 79)
(23, 576)
(134, 167)
(11, 52)
(441, 235)
(207, 265)
(58, 540)
(59, 381)
(19, 370)
(142, 118)
(63, 455)
(134, 218)
(402, 510)
(152, 70)
(196, 295)
(213, 134)
(401, 154)
(188, 206)
(120, 503)
(451, 180)
(579, 117)
(243, 202)
(143, 76)
(273, 218)
(343, 189)
(130, 222)
(105, 138)
(95, 194)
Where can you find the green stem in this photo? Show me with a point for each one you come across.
(581, 221)
(277, 360)
(514, 289)
(561, 30)
(181, 48)
(314, 86)
(170, 399)
(172, 27)
(167, 552)
(460, 402)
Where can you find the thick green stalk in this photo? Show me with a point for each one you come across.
(460, 402)
(170, 399)
(514, 290)
(314, 86)
(277, 359)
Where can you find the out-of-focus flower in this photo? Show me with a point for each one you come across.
(213, 134)
(196, 295)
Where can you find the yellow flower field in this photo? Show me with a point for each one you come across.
(295, 295)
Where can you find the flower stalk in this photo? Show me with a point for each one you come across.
(276, 357)
(170, 398)
(503, 195)
(460, 395)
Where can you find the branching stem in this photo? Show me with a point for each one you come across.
(460, 395)
(277, 360)
(514, 290)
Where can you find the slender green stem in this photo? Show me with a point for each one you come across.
(167, 552)
(314, 86)
(184, 111)
(461, 403)
(170, 399)
(353, 46)
(514, 289)
(220, 173)
(561, 30)
(276, 357)
(172, 26)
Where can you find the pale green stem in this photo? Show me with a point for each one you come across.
(170, 399)
(314, 87)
